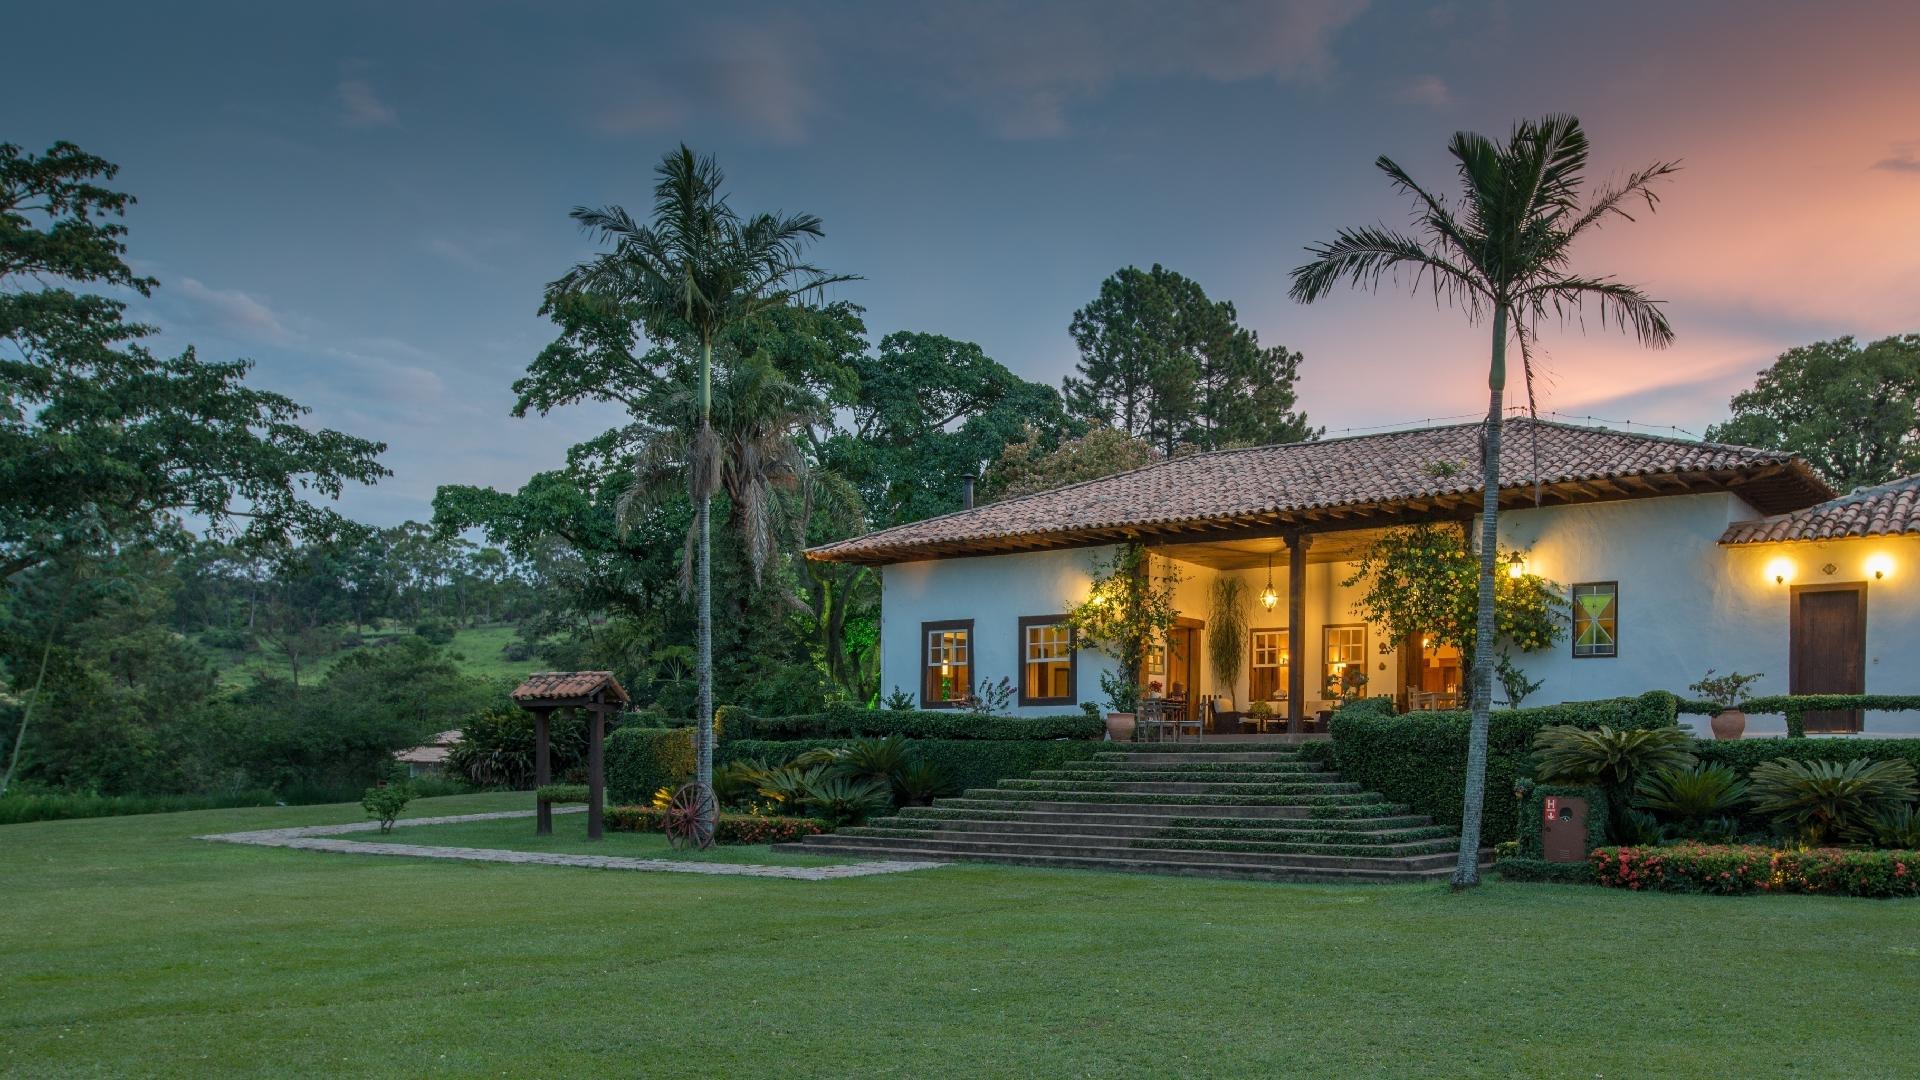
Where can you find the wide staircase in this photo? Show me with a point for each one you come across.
(1237, 810)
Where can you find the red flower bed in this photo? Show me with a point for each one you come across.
(1730, 869)
(731, 828)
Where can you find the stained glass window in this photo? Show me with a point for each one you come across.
(1596, 619)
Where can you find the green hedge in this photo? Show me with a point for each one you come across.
(562, 793)
(1420, 758)
(1524, 868)
(729, 829)
(641, 761)
(847, 721)
(1732, 869)
(1795, 706)
(973, 763)
(1741, 755)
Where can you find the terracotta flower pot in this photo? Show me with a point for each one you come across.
(1120, 726)
(1729, 724)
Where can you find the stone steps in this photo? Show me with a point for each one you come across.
(1257, 812)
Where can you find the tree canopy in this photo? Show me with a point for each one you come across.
(1852, 411)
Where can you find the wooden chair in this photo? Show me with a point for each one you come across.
(1180, 717)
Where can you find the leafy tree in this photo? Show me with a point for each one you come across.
(1424, 579)
(1503, 249)
(696, 272)
(1853, 412)
(1160, 361)
(1027, 465)
(99, 436)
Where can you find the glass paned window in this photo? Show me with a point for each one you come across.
(1596, 619)
(1267, 674)
(949, 664)
(1046, 651)
(1346, 659)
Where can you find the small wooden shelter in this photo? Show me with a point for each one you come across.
(597, 692)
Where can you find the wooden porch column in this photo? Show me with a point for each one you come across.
(542, 773)
(1296, 629)
(596, 768)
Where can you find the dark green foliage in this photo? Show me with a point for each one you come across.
(1894, 827)
(1692, 797)
(876, 759)
(496, 747)
(641, 761)
(1824, 801)
(21, 806)
(847, 720)
(438, 631)
(1525, 868)
(1612, 758)
(562, 793)
(385, 803)
(1420, 758)
(921, 782)
(1795, 706)
(845, 800)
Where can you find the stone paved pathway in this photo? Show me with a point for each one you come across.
(315, 838)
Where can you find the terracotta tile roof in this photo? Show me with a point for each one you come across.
(1430, 471)
(1891, 509)
(551, 685)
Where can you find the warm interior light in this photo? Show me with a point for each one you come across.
(1880, 566)
(1516, 567)
(1779, 571)
(1268, 598)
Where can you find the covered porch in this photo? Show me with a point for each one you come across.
(1302, 649)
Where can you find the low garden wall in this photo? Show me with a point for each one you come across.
(1421, 758)
(1795, 707)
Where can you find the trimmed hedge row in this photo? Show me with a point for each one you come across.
(562, 793)
(1741, 755)
(848, 721)
(641, 761)
(1420, 758)
(1731, 869)
(1795, 706)
(972, 763)
(1525, 868)
(730, 829)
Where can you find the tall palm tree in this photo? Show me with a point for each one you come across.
(1501, 249)
(697, 270)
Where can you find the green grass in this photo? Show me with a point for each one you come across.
(570, 835)
(475, 651)
(130, 948)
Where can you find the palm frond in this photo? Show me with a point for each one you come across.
(1624, 305)
(1362, 257)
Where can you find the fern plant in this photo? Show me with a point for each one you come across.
(1612, 759)
(1823, 801)
(921, 782)
(838, 800)
(875, 759)
(1692, 795)
(1895, 828)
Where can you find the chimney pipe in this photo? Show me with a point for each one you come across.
(966, 491)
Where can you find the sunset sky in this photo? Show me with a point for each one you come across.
(367, 200)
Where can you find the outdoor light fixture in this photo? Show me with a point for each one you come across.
(1515, 569)
(1780, 570)
(1268, 598)
(1880, 566)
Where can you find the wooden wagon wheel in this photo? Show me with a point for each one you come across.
(690, 817)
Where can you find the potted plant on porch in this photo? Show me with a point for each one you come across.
(1726, 692)
(1123, 699)
(1128, 609)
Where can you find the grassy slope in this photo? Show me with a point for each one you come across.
(570, 835)
(130, 948)
(476, 652)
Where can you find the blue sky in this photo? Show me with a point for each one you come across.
(368, 199)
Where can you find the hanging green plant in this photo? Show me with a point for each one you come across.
(1227, 630)
(1128, 608)
(1425, 579)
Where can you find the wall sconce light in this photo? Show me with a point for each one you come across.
(1517, 566)
(1880, 566)
(1268, 597)
(1780, 571)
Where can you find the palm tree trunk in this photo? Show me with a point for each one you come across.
(1467, 873)
(703, 575)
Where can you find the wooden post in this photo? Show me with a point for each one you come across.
(1296, 631)
(596, 767)
(542, 773)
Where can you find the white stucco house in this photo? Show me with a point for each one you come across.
(1676, 556)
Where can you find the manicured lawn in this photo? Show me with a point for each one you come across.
(130, 948)
(570, 835)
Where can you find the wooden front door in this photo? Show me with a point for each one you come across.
(1183, 666)
(1829, 649)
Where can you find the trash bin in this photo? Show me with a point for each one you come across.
(1563, 828)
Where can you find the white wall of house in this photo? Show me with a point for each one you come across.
(1686, 604)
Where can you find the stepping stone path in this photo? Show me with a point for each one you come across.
(1231, 810)
(316, 838)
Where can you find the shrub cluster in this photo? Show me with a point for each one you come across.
(847, 721)
(731, 828)
(1421, 758)
(641, 761)
(1731, 869)
(1525, 868)
(562, 793)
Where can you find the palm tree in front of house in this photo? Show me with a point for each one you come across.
(1500, 251)
(697, 270)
